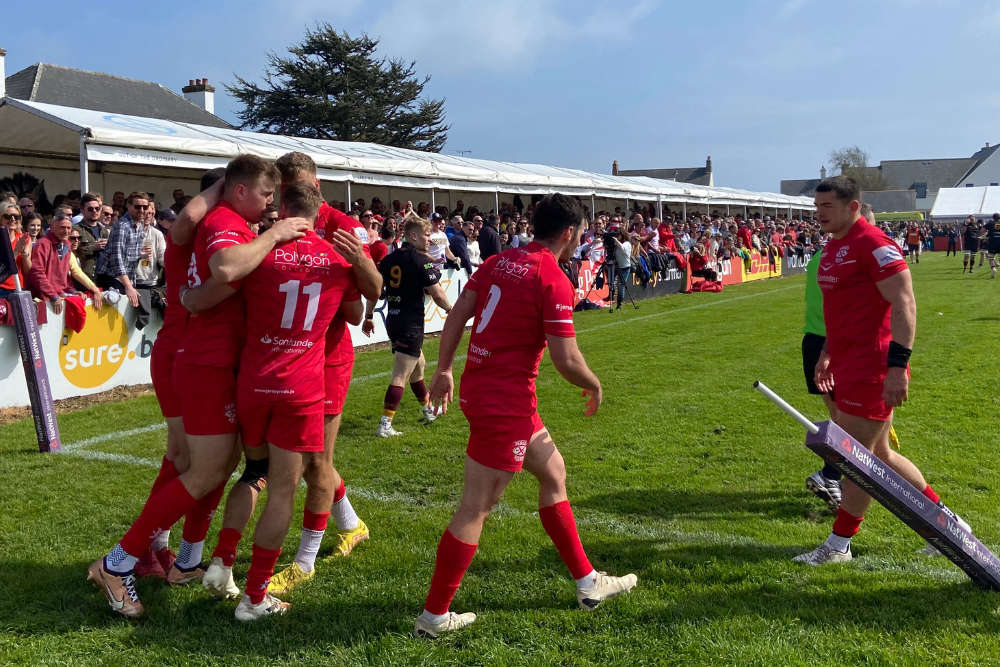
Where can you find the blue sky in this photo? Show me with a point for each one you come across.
(767, 87)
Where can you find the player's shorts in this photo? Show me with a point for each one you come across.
(296, 428)
(501, 442)
(208, 398)
(161, 368)
(971, 248)
(812, 347)
(337, 380)
(995, 247)
(406, 338)
(913, 248)
(862, 399)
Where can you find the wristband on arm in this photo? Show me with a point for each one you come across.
(899, 355)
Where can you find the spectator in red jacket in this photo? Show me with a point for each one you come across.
(48, 278)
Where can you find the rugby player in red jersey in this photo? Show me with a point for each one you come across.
(521, 300)
(870, 315)
(326, 493)
(205, 369)
(291, 299)
(158, 560)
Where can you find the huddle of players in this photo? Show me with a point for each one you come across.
(255, 343)
(981, 239)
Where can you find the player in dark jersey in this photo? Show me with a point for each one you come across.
(407, 274)
(970, 240)
(993, 242)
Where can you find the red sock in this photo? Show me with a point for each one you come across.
(160, 512)
(197, 521)
(261, 568)
(419, 390)
(453, 559)
(559, 523)
(846, 524)
(229, 540)
(393, 395)
(315, 520)
(167, 472)
(932, 495)
(341, 491)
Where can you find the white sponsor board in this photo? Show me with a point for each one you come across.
(110, 352)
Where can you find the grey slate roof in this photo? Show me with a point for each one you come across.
(693, 175)
(54, 84)
(799, 187)
(936, 173)
(890, 200)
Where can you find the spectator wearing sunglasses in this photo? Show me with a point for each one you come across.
(117, 264)
(10, 218)
(267, 220)
(90, 229)
(81, 281)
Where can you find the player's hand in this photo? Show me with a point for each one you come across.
(368, 327)
(289, 229)
(442, 390)
(133, 297)
(348, 245)
(894, 389)
(822, 375)
(593, 397)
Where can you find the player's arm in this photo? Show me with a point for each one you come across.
(205, 296)
(569, 361)
(436, 292)
(365, 272)
(898, 291)
(184, 227)
(237, 261)
(443, 384)
(353, 311)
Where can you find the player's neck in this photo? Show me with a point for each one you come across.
(846, 230)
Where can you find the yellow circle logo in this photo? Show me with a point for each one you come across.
(90, 358)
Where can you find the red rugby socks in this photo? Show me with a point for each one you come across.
(560, 525)
(229, 540)
(161, 511)
(453, 559)
(931, 494)
(262, 564)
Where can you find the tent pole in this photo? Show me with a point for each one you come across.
(496, 202)
(433, 201)
(684, 210)
(348, 204)
(659, 206)
(84, 166)
(593, 207)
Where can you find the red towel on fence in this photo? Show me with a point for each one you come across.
(75, 313)
(7, 313)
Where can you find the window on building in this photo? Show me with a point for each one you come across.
(921, 189)
(970, 185)
(994, 183)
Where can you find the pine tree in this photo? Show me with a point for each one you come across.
(333, 86)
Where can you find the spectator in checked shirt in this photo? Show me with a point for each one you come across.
(116, 265)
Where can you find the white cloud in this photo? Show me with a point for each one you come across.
(790, 7)
(467, 35)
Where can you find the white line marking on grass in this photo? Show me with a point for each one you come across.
(594, 520)
(375, 376)
(113, 436)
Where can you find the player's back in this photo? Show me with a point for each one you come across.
(215, 337)
(291, 299)
(406, 272)
(176, 259)
(521, 294)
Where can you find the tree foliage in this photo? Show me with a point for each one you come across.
(853, 161)
(333, 86)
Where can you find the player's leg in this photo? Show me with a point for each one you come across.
(157, 561)
(114, 572)
(351, 530)
(284, 472)
(825, 483)
(544, 461)
(993, 264)
(482, 490)
(419, 389)
(402, 369)
(837, 547)
(965, 260)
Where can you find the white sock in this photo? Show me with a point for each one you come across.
(385, 421)
(189, 555)
(433, 618)
(309, 543)
(343, 514)
(119, 561)
(161, 540)
(838, 543)
(588, 580)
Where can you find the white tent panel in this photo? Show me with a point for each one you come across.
(959, 202)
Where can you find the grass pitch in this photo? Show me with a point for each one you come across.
(686, 477)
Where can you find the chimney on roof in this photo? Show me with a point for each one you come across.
(614, 168)
(822, 171)
(198, 91)
(708, 164)
(3, 73)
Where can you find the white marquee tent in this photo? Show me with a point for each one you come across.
(960, 203)
(36, 129)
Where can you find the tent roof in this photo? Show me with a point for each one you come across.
(963, 202)
(110, 137)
